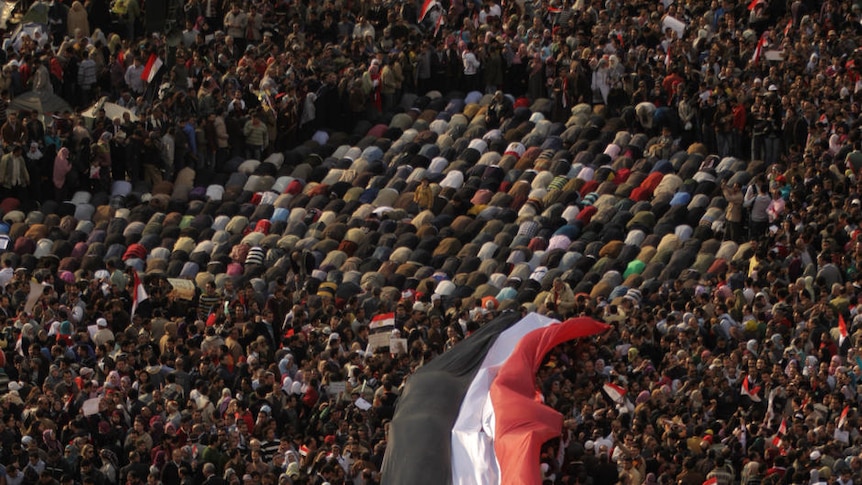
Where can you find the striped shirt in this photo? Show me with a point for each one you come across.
(255, 255)
(207, 303)
(87, 73)
(723, 475)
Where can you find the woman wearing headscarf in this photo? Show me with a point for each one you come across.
(34, 160)
(77, 19)
(51, 443)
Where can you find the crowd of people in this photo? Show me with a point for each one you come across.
(189, 288)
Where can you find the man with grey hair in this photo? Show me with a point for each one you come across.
(210, 477)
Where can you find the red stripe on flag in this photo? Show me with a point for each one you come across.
(154, 63)
(758, 51)
(149, 66)
(615, 392)
(139, 293)
(843, 419)
(842, 326)
(747, 391)
(522, 424)
(382, 320)
(426, 7)
(438, 24)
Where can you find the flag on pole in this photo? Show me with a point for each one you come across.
(382, 320)
(751, 393)
(615, 392)
(782, 430)
(758, 51)
(439, 23)
(788, 26)
(475, 408)
(752, 4)
(843, 419)
(770, 414)
(139, 293)
(426, 7)
(151, 68)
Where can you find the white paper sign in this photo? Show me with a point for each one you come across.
(91, 406)
(842, 436)
(336, 388)
(674, 24)
(362, 404)
(774, 55)
(379, 340)
(398, 345)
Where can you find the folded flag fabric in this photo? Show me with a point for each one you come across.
(475, 407)
(747, 390)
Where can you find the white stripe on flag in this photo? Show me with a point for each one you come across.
(157, 64)
(140, 293)
(615, 392)
(384, 320)
(473, 459)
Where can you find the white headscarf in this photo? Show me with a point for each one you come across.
(34, 154)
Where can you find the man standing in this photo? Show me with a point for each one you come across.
(41, 77)
(391, 77)
(471, 68)
(236, 22)
(133, 78)
(256, 137)
(14, 177)
(100, 162)
(86, 77)
(733, 213)
(12, 131)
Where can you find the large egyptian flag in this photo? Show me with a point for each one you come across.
(471, 415)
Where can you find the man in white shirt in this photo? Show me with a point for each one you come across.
(471, 68)
(490, 9)
(363, 28)
(133, 77)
